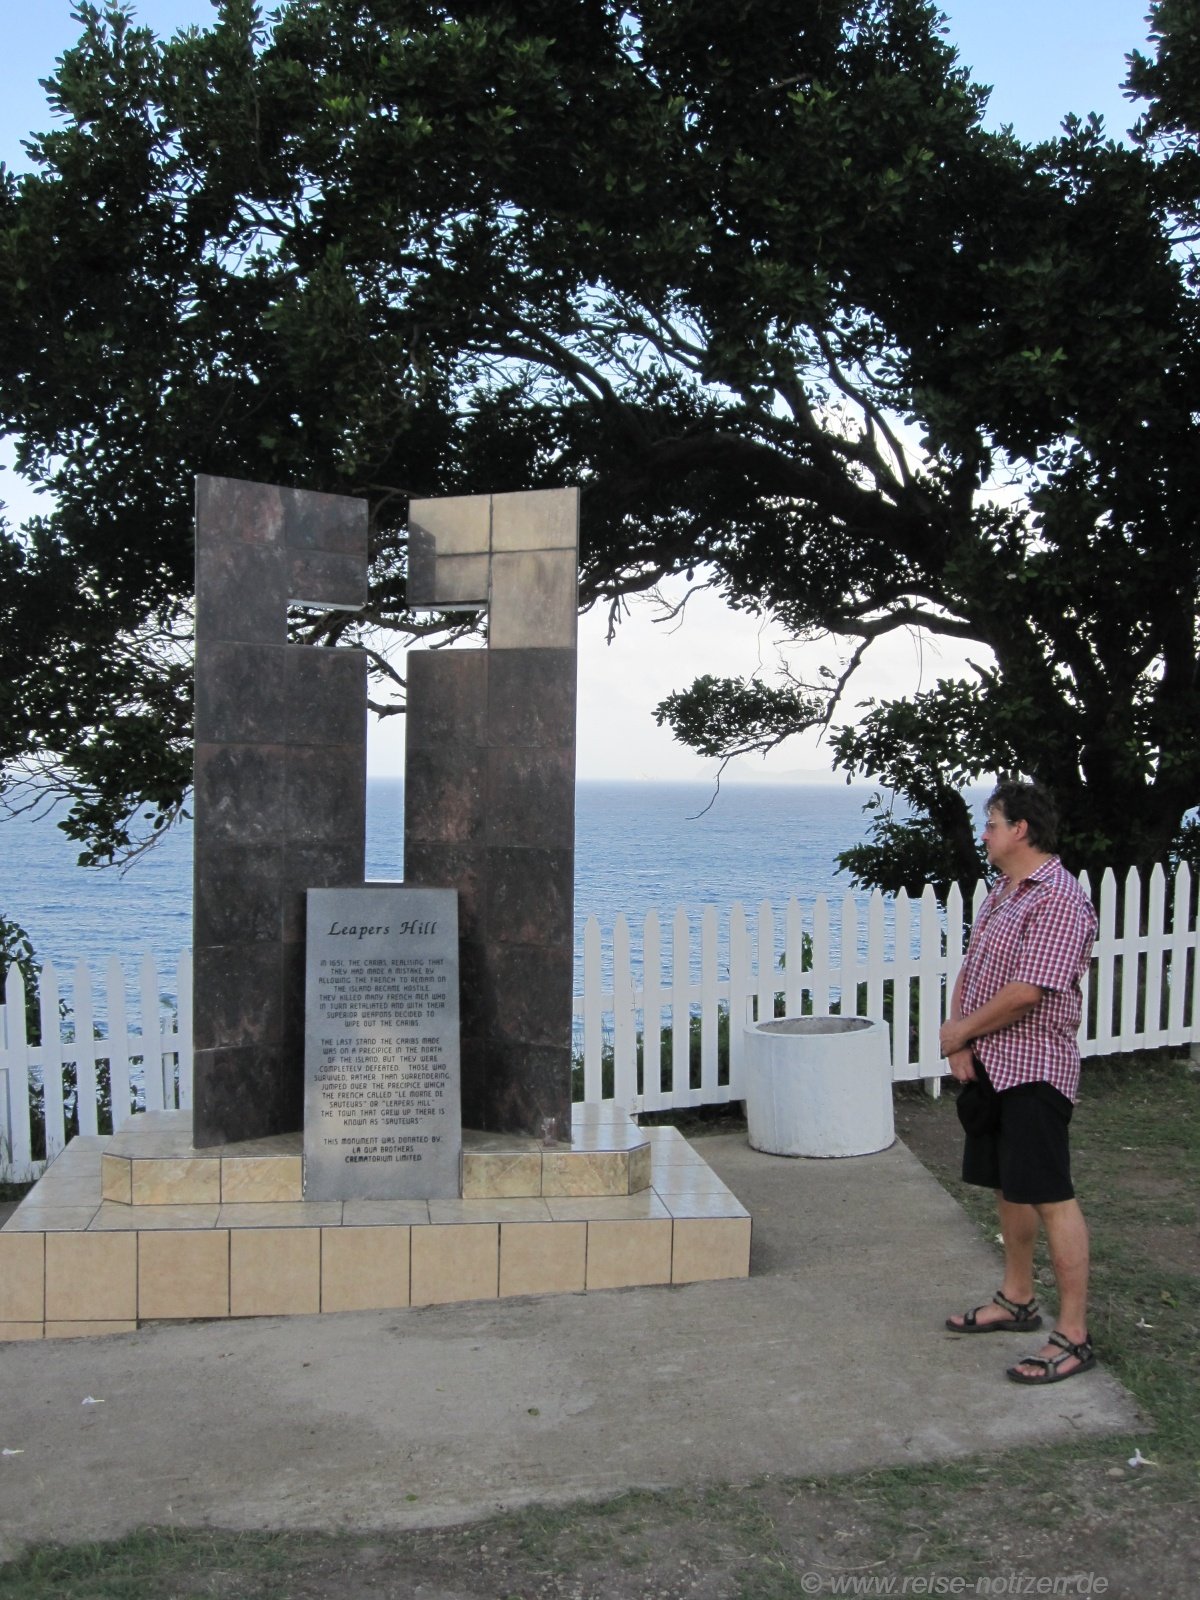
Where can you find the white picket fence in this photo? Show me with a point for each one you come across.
(139, 1059)
(896, 958)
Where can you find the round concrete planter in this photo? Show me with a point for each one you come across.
(819, 1086)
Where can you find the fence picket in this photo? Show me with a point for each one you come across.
(765, 944)
(152, 1055)
(593, 1012)
(876, 956)
(741, 988)
(709, 1004)
(902, 968)
(793, 960)
(654, 1097)
(931, 971)
(183, 1030)
(1105, 964)
(87, 1088)
(119, 1049)
(1156, 949)
(681, 1010)
(1130, 958)
(819, 983)
(50, 1056)
(1178, 947)
(16, 1079)
(624, 1021)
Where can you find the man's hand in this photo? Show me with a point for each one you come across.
(954, 1036)
(962, 1065)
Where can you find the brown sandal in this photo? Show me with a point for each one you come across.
(1020, 1319)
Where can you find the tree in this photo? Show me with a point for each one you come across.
(703, 259)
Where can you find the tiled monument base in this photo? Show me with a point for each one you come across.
(138, 1227)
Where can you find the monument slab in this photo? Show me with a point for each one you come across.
(382, 1109)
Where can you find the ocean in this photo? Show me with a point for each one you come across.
(638, 846)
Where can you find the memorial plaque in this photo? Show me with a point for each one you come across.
(382, 1110)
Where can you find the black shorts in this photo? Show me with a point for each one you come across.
(1028, 1158)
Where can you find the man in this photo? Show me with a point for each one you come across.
(1014, 1017)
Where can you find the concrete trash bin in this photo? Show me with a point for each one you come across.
(819, 1086)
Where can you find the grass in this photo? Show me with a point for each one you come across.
(1075, 1507)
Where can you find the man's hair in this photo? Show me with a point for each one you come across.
(1026, 802)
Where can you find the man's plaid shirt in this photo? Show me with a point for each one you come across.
(1040, 933)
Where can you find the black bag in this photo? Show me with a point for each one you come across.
(978, 1106)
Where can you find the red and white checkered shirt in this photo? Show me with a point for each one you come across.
(1041, 933)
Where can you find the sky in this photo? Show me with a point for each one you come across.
(1043, 60)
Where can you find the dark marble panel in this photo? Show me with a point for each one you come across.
(529, 994)
(444, 794)
(531, 797)
(526, 1087)
(530, 896)
(322, 578)
(531, 697)
(239, 795)
(237, 995)
(434, 865)
(333, 522)
(240, 693)
(240, 594)
(472, 1070)
(237, 893)
(326, 695)
(447, 698)
(325, 793)
(246, 1093)
(325, 864)
(291, 1026)
(473, 987)
(233, 511)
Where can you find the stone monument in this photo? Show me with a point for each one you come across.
(280, 779)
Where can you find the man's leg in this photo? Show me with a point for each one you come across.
(1019, 1229)
(1067, 1236)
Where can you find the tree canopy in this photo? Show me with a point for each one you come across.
(754, 274)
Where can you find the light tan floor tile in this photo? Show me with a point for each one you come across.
(183, 1274)
(177, 1181)
(87, 1330)
(677, 1153)
(282, 1214)
(455, 1262)
(116, 1179)
(527, 1210)
(661, 1134)
(22, 1277)
(364, 1269)
(66, 1191)
(154, 1133)
(255, 1179)
(50, 1219)
(606, 1136)
(274, 1272)
(384, 1213)
(11, 1331)
(691, 1204)
(621, 1254)
(584, 1173)
(608, 1208)
(689, 1179)
(639, 1169)
(111, 1218)
(542, 1257)
(490, 1175)
(710, 1248)
(91, 1277)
